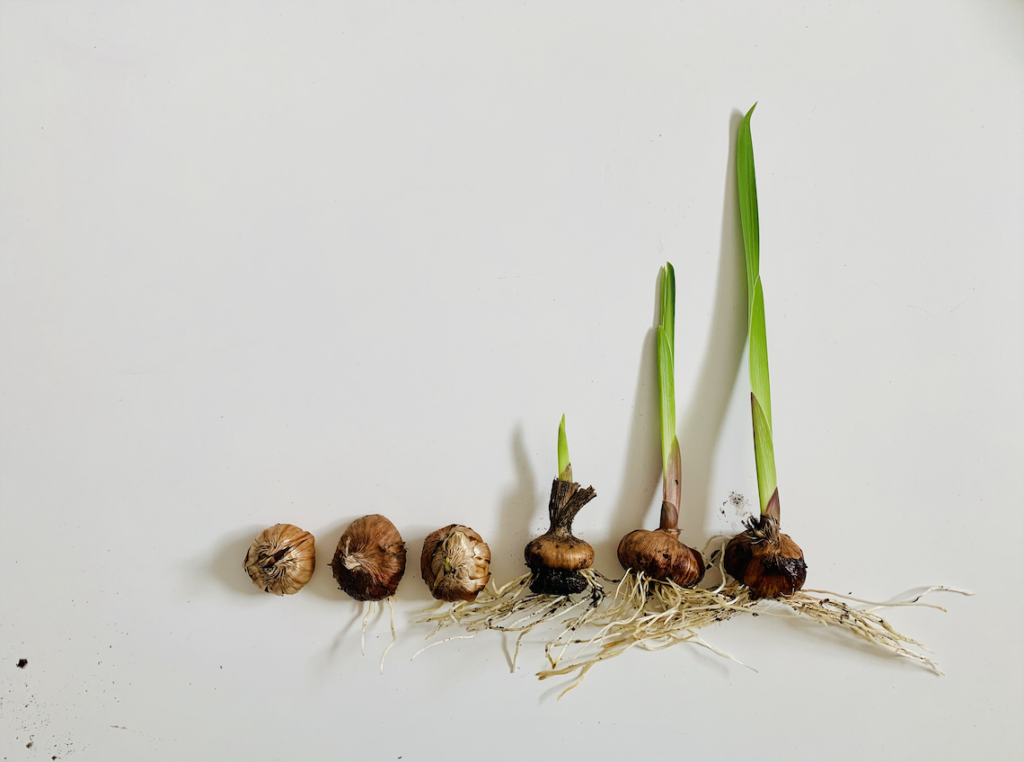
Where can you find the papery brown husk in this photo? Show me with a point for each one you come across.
(370, 559)
(455, 563)
(281, 559)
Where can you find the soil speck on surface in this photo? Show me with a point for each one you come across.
(22, 663)
(738, 503)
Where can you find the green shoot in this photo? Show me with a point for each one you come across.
(761, 398)
(668, 303)
(670, 460)
(764, 455)
(759, 353)
(563, 453)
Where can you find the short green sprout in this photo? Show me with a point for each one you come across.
(563, 453)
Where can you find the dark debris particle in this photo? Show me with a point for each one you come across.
(22, 663)
(30, 744)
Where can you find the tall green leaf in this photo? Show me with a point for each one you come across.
(761, 397)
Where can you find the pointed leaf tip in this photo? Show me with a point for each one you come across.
(563, 448)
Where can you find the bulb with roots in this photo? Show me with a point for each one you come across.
(764, 559)
(659, 555)
(368, 565)
(559, 568)
(557, 558)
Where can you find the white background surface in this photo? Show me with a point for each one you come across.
(302, 262)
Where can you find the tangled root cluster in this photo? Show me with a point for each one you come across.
(648, 614)
(514, 608)
(864, 622)
(654, 615)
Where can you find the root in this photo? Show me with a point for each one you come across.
(368, 607)
(439, 642)
(821, 606)
(391, 645)
(514, 608)
(864, 622)
(654, 615)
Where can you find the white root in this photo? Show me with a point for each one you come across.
(439, 642)
(864, 623)
(893, 604)
(514, 608)
(656, 615)
(394, 639)
(368, 608)
(649, 614)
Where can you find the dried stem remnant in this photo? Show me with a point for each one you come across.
(557, 556)
(281, 559)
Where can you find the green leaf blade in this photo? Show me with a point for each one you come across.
(759, 381)
(668, 303)
(672, 487)
(764, 455)
(760, 388)
(563, 449)
(747, 186)
(666, 385)
(666, 364)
